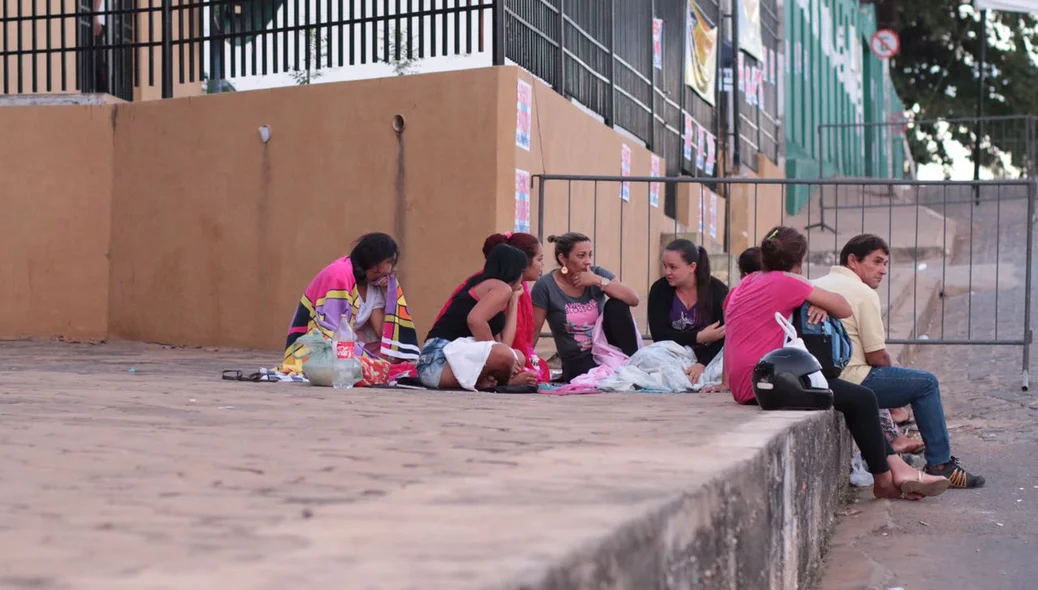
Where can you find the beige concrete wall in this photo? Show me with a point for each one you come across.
(218, 234)
(55, 197)
(174, 223)
(754, 209)
(566, 140)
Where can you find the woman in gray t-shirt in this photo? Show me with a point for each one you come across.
(573, 297)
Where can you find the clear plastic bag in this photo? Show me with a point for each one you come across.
(319, 363)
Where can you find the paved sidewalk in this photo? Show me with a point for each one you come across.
(984, 538)
(166, 477)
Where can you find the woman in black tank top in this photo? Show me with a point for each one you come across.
(477, 311)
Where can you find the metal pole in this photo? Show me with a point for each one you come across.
(560, 63)
(979, 128)
(1029, 262)
(611, 113)
(216, 47)
(822, 225)
(733, 18)
(498, 14)
(167, 49)
(540, 209)
(652, 77)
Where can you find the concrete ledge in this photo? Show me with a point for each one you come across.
(761, 522)
(58, 99)
(166, 477)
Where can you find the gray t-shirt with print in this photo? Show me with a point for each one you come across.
(571, 319)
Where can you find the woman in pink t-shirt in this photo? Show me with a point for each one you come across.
(752, 332)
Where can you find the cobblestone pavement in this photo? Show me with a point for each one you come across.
(984, 538)
(166, 477)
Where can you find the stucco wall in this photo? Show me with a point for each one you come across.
(175, 223)
(55, 197)
(566, 140)
(218, 233)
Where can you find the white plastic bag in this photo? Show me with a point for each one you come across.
(660, 366)
(793, 340)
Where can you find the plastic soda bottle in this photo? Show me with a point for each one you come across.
(348, 370)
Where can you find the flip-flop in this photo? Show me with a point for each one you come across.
(929, 489)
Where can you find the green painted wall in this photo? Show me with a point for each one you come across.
(832, 78)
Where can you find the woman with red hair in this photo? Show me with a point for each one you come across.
(518, 331)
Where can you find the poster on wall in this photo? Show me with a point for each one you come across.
(625, 170)
(657, 43)
(772, 56)
(711, 154)
(688, 137)
(654, 188)
(742, 74)
(750, 39)
(751, 86)
(701, 206)
(524, 115)
(713, 214)
(700, 147)
(522, 201)
(759, 83)
(700, 54)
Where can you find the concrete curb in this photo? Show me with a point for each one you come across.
(762, 523)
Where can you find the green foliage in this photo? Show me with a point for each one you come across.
(936, 74)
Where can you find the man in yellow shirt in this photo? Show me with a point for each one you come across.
(863, 264)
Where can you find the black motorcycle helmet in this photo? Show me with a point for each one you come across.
(791, 379)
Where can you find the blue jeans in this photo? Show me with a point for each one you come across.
(896, 387)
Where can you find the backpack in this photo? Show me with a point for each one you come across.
(827, 341)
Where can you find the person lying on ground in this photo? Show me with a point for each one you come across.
(752, 332)
(863, 264)
(574, 297)
(685, 306)
(362, 289)
(479, 311)
(518, 332)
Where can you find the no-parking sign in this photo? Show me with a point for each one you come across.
(885, 43)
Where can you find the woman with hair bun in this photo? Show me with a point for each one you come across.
(518, 332)
(573, 297)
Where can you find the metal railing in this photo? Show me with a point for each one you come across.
(959, 275)
(1003, 145)
(134, 43)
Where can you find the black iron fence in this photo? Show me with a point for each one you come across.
(599, 52)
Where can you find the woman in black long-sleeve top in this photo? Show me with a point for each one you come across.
(686, 304)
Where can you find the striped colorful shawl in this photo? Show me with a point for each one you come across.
(332, 294)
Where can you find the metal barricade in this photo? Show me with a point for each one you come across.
(960, 273)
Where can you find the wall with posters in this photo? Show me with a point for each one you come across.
(621, 218)
(173, 222)
(832, 78)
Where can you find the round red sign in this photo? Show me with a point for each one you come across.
(885, 43)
